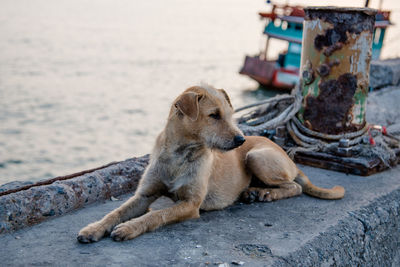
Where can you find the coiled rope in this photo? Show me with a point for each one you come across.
(281, 111)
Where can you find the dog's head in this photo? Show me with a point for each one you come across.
(205, 114)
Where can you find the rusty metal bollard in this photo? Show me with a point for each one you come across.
(336, 54)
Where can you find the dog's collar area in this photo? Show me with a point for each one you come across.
(188, 147)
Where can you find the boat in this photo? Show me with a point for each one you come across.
(285, 22)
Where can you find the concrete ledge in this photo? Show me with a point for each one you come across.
(31, 206)
(369, 236)
(360, 230)
(384, 73)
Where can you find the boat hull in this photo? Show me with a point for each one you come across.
(269, 74)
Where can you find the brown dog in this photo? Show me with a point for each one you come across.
(201, 161)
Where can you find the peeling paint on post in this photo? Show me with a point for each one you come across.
(336, 54)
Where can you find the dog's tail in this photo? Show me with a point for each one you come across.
(337, 192)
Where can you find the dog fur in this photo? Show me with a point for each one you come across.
(200, 161)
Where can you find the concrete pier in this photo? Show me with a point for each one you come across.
(360, 230)
(363, 229)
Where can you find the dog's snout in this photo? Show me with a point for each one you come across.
(238, 140)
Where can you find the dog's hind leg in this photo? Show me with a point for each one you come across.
(284, 190)
(135, 206)
(274, 168)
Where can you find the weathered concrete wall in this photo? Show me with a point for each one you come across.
(367, 237)
(38, 203)
(382, 106)
(384, 73)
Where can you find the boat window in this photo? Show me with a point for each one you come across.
(294, 48)
(277, 22)
(377, 35)
(298, 27)
(285, 25)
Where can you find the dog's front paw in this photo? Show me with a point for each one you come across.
(91, 233)
(126, 231)
(249, 196)
(267, 196)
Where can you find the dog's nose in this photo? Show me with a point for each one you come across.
(238, 140)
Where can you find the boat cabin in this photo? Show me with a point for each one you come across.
(286, 23)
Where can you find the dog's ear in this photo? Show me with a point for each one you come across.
(188, 104)
(226, 96)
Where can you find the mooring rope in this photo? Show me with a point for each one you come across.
(272, 123)
(281, 111)
(268, 101)
(328, 136)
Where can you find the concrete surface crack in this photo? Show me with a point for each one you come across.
(364, 235)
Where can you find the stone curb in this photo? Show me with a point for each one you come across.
(367, 237)
(36, 204)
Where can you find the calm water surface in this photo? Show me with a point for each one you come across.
(84, 83)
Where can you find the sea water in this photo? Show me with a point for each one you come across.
(84, 83)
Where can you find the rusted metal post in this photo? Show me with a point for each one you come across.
(336, 54)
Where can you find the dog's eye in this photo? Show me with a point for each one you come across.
(215, 116)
